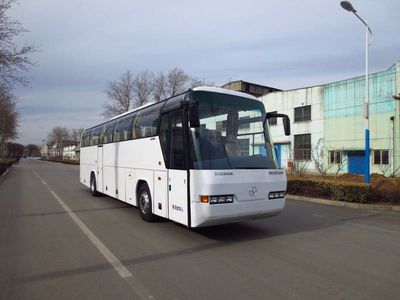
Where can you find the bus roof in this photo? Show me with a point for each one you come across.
(199, 88)
(224, 91)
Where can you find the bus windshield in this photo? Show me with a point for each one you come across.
(231, 133)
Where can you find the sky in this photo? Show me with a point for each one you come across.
(84, 44)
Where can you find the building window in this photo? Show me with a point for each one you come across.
(335, 157)
(302, 147)
(381, 157)
(221, 125)
(244, 125)
(302, 113)
(244, 147)
(273, 121)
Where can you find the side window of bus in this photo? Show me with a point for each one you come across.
(102, 134)
(177, 145)
(145, 121)
(108, 134)
(123, 129)
(164, 138)
(87, 138)
(84, 135)
(94, 140)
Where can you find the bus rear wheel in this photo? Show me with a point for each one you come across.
(145, 204)
(93, 186)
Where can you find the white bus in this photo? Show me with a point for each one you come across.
(201, 158)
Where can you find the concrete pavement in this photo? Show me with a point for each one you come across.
(311, 251)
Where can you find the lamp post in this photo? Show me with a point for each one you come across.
(347, 6)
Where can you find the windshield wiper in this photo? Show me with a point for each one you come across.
(249, 168)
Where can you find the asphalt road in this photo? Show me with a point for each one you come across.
(59, 242)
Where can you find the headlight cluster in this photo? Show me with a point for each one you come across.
(217, 199)
(276, 195)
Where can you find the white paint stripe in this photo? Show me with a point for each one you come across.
(4, 174)
(122, 271)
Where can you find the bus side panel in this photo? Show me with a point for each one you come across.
(88, 163)
(120, 184)
(130, 186)
(160, 198)
(110, 172)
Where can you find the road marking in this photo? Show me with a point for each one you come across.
(122, 271)
(4, 174)
(318, 216)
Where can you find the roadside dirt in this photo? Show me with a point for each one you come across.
(385, 187)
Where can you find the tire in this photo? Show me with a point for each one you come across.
(93, 186)
(145, 203)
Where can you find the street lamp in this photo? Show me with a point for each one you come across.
(347, 6)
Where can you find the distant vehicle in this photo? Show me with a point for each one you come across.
(201, 158)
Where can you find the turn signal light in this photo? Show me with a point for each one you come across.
(204, 199)
(217, 199)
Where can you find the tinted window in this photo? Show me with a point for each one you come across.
(177, 145)
(86, 139)
(94, 140)
(164, 138)
(145, 122)
(123, 129)
(102, 133)
(108, 133)
(84, 135)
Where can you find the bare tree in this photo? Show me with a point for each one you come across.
(76, 134)
(120, 94)
(297, 166)
(15, 149)
(32, 150)
(317, 157)
(159, 87)
(177, 82)
(142, 88)
(57, 136)
(8, 119)
(14, 60)
(195, 82)
(340, 164)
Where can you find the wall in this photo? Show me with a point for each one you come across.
(285, 102)
(344, 120)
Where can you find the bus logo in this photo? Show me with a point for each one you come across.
(252, 191)
(177, 207)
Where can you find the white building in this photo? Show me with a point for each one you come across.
(305, 110)
(70, 152)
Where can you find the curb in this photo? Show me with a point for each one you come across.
(5, 173)
(3, 176)
(378, 207)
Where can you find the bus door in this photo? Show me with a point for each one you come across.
(175, 155)
(99, 180)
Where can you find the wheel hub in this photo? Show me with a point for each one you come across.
(144, 202)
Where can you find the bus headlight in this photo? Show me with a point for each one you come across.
(276, 195)
(220, 199)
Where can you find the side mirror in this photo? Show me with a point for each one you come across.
(286, 125)
(194, 119)
(286, 121)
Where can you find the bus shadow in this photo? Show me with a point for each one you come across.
(287, 223)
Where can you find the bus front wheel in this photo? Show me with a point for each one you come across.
(93, 186)
(144, 203)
